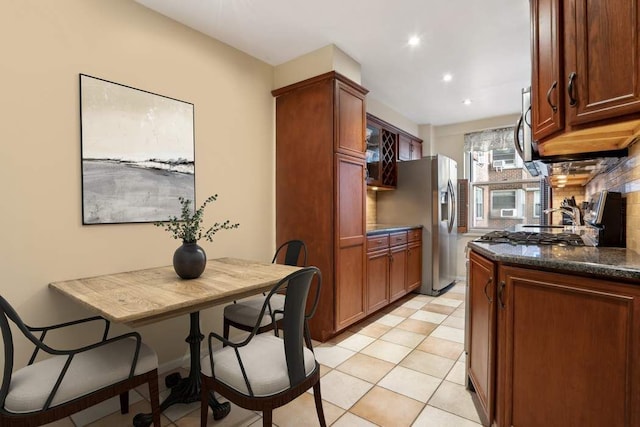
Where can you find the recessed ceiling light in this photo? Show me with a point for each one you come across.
(414, 41)
(447, 77)
(467, 101)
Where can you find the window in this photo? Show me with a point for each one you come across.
(478, 202)
(536, 204)
(502, 193)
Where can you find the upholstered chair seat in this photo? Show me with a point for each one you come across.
(90, 371)
(247, 310)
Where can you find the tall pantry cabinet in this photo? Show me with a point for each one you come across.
(321, 190)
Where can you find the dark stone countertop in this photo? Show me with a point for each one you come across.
(609, 263)
(373, 229)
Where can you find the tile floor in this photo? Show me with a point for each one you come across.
(402, 367)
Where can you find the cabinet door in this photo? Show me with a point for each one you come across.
(397, 272)
(414, 266)
(416, 150)
(404, 148)
(350, 240)
(377, 280)
(350, 120)
(547, 93)
(481, 360)
(603, 60)
(570, 354)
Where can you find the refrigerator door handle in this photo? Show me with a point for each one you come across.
(452, 206)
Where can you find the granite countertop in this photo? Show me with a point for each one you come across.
(373, 229)
(587, 260)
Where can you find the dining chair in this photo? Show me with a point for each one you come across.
(242, 314)
(71, 380)
(265, 371)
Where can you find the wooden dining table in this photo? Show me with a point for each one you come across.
(141, 297)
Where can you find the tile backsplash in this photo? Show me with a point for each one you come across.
(624, 178)
(372, 214)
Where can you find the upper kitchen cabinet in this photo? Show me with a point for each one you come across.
(321, 190)
(386, 144)
(585, 75)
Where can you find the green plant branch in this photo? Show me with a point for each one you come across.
(189, 226)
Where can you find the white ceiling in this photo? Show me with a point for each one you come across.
(483, 43)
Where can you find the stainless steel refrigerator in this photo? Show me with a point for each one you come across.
(426, 195)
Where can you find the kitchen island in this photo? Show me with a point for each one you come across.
(553, 334)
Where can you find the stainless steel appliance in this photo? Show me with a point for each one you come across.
(426, 194)
(523, 140)
(606, 213)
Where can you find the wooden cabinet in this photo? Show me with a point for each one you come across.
(394, 266)
(414, 259)
(386, 144)
(397, 265)
(585, 75)
(570, 349)
(481, 360)
(409, 148)
(552, 349)
(320, 190)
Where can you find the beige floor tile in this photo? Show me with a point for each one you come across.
(337, 339)
(428, 363)
(402, 311)
(388, 351)
(374, 330)
(418, 326)
(463, 357)
(302, 412)
(455, 295)
(387, 408)
(430, 417)
(454, 322)
(324, 370)
(402, 337)
(451, 302)
(410, 383)
(331, 355)
(350, 420)
(456, 399)
(422, 297)
(437, 308)
(428, 316)
(390, 320)
(459, 312)
(449, 333)
(365, 367)
(414, 303)
(356, 342)
(118, 419)
(343, 390)
(237, 417)
(457, 374)
(459, 288)
(441, 347)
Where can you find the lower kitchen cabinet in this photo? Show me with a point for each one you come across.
(567, 347)
(392, 265)
(481, 333)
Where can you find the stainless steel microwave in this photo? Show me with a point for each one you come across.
(523, 139)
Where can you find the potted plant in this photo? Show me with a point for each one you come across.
(189, 260)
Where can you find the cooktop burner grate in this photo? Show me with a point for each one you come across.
(532, 238)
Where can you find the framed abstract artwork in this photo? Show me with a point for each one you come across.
(137, 153)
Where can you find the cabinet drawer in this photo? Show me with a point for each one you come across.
(414, 235)
(398, 238)
(380, 241)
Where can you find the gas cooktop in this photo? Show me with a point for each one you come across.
(532, 238)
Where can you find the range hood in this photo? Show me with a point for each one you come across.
(580, 172)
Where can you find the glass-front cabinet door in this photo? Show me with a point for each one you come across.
(374, 169)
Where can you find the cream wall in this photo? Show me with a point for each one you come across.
(45, 45)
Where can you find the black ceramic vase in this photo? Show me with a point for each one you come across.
(189, 260)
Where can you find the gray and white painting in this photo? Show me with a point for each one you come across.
(137, 153)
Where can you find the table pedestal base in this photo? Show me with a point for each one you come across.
(187, 390)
